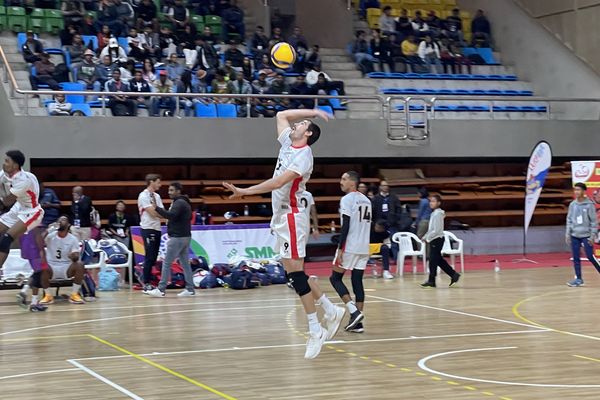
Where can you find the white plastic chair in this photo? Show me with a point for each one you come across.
(447, 249)
(405, 242)
(101, 263)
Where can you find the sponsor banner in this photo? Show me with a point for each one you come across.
(539, 165)
(217, 243)
(588, 172)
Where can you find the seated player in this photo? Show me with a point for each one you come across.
(32, 249)
(62, 252)
(380, 237)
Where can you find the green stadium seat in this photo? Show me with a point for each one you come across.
(53, 21)
(198, 21)
(214, 21)
(3, 25)
(16, 19)
(36, 20)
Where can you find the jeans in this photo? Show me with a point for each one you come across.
(157, 102)
(177, 247)
(436, 260)
(576, 244)
(151, 239)
(385, 256)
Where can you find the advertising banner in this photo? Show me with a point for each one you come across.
(588, 172)
(539, 165)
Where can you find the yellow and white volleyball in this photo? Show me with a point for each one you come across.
(283, 55)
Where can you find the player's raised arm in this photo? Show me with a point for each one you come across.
(264, 187)
(286, 118)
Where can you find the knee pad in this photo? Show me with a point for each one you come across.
(357, 285)
(36, 279)
(337, 282)
(5, 243)
(299, 281)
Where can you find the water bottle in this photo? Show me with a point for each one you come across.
(332, 226)
(222, 283)
(496, 265)
(246, 211)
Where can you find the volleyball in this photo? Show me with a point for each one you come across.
(283, 55)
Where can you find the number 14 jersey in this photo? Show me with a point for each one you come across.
(358, 207)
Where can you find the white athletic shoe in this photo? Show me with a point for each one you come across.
(387, 275)
(156, 293)
(315, 343)
(185, 293)
(332, 322)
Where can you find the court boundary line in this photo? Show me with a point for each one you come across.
(105, 380)
(423, 365)
(163, 368)
(52, 371)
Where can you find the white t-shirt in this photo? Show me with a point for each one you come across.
(24, 185)
(358, 207)
(307, 201)
(59, 248)
(147, 221)
(287, 199)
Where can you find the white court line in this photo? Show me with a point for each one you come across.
(157, 354)
(423, 365)
(54, 371)
(105, 380)
(455, 312)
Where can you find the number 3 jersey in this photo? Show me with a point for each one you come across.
(58, 248)
(358, 207)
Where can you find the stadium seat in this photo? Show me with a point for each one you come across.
(336, 104)
(327, 109)
(16, 19)
(21, 39)
(226, 111)
(198, 21)
(36, 20)
(2, 18)
(40, 85)
(124, 44)
(214, 21)
(84, 108)
(90, 38)
(206, 110)
(73, 86)
(53, 21)
(457, 92)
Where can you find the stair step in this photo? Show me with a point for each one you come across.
(361, 90)
(344, 75)
(338, 66)
(332, 52)
(364, 115)
(335, 59)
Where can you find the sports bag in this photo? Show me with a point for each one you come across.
(108, 280)
(241, 279)
(116, 253)
(277, 273)
(88, 288)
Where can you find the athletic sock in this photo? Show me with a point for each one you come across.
(327, 305)
(76, 288)
(351, 307)
(25, 288)
(313, 323)
(35, 298)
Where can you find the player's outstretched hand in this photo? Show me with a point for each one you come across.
(236, 192)
(322, 114)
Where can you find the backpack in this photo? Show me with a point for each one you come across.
(220, 270)
(241, 279)
(261, 278)
(115, 251)
(277, 273)
(88, 256)
(108, 280)
(88, 288)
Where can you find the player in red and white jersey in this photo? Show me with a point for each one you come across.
(23, 192)
(290, 224)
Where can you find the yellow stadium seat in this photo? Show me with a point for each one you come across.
(395, 12)
(436, 2)
(468, 36)
(373, 12)
(450, 3)
(445, 14)
(465, 15)
(466, 22)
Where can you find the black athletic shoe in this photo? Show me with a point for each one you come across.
(355, 318)
(358, 328)
(428, 284)
(22, 300)
(454, 279)
(37, 308)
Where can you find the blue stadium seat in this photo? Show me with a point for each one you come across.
(73, 86)
(327, 109)
(84, 108)
(465, 77)
(488, 55)
(124, 44)
(206, 110)
(90, 38)
(39, 85)
(336, 104)
(226, 111)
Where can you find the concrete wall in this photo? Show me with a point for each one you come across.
(326, 23)
(542, 239)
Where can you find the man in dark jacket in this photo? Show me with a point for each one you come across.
(32, 48)
(179, 228)
(81, 210)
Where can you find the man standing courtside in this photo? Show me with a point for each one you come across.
(150, 225)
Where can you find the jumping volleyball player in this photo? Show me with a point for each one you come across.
(290, 222)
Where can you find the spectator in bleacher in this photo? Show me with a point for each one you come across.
(201, 7)
(208, 36)
(451, 56)
(76, 51)
(119, 223)
(420, 27)
(206, 57)
(139, 85)
(44, 3)
(184, 85)
(259, 43)
(233, 21)
(174, 68)
(136, 51)
(146, 15)
(85, 72)
(179, 16)
(186, 39)
(372, 192)
(219, 85)
(404, 25)
(114, 51)
(151, 43)
(383, 203)
(59, 107)
(280, 86)
(90, 5)
(453, 27)
(44, 73)
(234, 55)
(81, 214)
(363, 5)
(482, 31)
(435, 24)
(104, 37)
(240, 86)
(104, 71)
(410, 50)
(313, 58)
(108, 15)
(230, 70)
(312, 78)
(264, 106)
(387, 23)
(163, 85)
(276, 36)
(148, 71)
(125, 14)
(247, 69)
(300, 44)
(134, 34)
(199, 81)
(167, 41)
(73, 12)
(381, 50)
(32, 48)
(396, 56)
(300, 87)
(88, 26)
(360, 49)
(429, 53)
(120, 106)
(127, 70)
(50, 203)
(66, 35)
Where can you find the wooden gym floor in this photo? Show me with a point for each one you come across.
(520, 334)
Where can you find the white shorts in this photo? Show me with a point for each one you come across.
(352, 261)
(291, 233)
(31, 217)
(59, 271)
